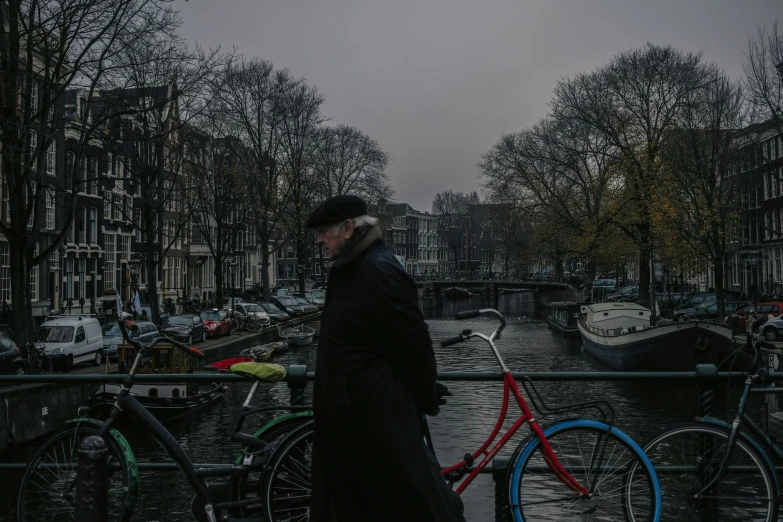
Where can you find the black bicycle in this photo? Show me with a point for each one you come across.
(712, 470)
(48, 488)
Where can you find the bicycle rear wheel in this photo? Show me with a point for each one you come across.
(688, 455)
(622, 482)
(48, 488)
(288, 481)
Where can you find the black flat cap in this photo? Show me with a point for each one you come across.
(336, 210)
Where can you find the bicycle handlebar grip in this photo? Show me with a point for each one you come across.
(453, 340)
(187, 349)
(468, 314)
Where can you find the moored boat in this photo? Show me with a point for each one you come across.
(259, 353)
(167, 401)
(457, 293)
(621, 335)
(298, 336)
(563, 317)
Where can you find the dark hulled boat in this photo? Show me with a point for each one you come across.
(563, 317)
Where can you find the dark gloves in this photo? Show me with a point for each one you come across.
(441, 391)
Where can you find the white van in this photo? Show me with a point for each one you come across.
(71, 339)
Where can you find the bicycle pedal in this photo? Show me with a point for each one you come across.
(247, 460)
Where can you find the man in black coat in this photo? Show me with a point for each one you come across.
(375, 378)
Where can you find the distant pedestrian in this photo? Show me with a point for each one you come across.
(375, 378)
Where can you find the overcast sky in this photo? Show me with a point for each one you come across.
(437, 82)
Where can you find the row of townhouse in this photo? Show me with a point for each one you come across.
(755, 263)
(104, 249)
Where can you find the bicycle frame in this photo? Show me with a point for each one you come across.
(128, 404)
(509, 387)
(741, 420)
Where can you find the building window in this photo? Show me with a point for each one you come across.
(68, 290)
(82, 177)
(94, 225)
(107, 205)
(50, 159)
(82, 224)
(177, 270)
(137, 222)
(117, 214)
(92, 177)
(50, 209)
(109, 270)
(34, 284)
(124, 248)
(82, 277)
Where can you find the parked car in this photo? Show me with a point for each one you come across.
(186, 328)
(625, 293)
(603, 287)
(253, 309)
(112, 336)
(227, 302)
(165, 313)
(696, 300)
(316, 297)
(10, 357)
(308, 307)
(772, 328)
(69, 340)
(280, 292)
(291, 306)
(709, 310)
(216, 322)
(276, 315)
(739, 319)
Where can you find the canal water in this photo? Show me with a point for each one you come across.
(643, 408)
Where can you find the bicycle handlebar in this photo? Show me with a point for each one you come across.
(458, 339)
(469, 314)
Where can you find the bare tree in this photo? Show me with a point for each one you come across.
(164, 90)
(298, 133)
(253, 97)
(219, 183)
(46, 48)
(631, 104)
(695, 204)
(347, 161)
(764, 76)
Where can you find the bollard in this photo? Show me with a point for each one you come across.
(297, 383)
(500, 477)
(706, 375)
(92, 481)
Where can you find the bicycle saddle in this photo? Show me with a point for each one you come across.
(259, 371)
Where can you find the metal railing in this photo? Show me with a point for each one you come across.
(705, 377)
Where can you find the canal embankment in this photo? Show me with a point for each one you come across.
(29, 411)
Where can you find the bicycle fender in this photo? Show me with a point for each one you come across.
(274, 422)
(127, 452)
(556, 426)
(750, 440)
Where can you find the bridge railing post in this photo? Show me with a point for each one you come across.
(92, 484)
(500, 478)
(297, 383)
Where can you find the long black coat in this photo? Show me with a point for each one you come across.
(375, 377)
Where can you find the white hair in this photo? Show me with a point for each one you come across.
(358, 222)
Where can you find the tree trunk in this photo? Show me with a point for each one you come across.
(265, 275)
(717, 268)
(218, 281)
(152, 284)
(300, 254)
(21, 306)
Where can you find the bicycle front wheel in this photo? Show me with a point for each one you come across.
(688, 456)
(621, 481)
(48, 489)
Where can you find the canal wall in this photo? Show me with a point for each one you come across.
(30, 411)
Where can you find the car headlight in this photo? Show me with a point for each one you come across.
(212, 326)
(57, 351)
